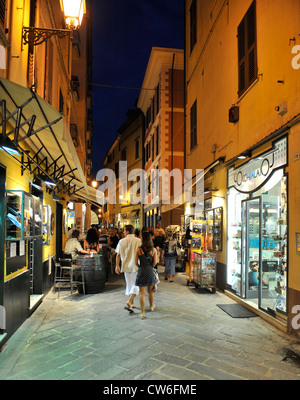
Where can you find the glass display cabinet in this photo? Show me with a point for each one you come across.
(205, 271)
(23, 215)
(214, 229)
(46, 224)
(19, 215)
(38, 217)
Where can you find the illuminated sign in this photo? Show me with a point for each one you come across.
(251, 176)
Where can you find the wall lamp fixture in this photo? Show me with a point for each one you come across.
(245, 155)
(73, 10)
(6, 144)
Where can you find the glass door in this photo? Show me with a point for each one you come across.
(251, 250)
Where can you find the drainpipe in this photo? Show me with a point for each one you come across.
(172, 133)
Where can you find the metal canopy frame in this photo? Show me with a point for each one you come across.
(37, 163)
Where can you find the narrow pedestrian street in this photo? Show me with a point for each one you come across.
(187, 337)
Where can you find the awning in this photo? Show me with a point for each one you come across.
(42, 136)
(133, 214)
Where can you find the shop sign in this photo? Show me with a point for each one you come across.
(253, 175)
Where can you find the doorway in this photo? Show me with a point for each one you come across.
(264, 247)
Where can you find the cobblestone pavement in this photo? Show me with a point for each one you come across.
(187, 337)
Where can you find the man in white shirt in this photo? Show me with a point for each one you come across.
(126, 251)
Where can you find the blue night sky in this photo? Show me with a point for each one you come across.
(124, 32)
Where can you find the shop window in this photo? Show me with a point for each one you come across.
(247, 50)
(137, 149)
(193, 25)
(194, 125)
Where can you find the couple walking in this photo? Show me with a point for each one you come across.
(138, 258)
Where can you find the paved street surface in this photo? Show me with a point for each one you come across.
(187, 337)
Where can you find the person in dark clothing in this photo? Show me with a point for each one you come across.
(114, 239)
(146, 259)
(91, 242)
(170, 255)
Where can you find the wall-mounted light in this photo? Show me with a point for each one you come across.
(73, 10)
(47, 181)
(245, 155)
(6, 144)
(37, 183)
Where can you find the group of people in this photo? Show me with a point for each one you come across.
(138, 253)
(137, 257)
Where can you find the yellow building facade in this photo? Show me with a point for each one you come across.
(242, 129)
(127, 147)
(42, 170)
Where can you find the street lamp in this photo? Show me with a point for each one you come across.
(73, 12)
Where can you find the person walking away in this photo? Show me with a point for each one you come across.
(158, 242)
(126, 252)
(170, 255)
(146, 257)
(91, 243)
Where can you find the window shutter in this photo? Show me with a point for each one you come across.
(247, 50)
(2, 13)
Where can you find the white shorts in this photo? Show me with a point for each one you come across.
(130, 278)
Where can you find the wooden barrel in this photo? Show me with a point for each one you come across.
(95, 272)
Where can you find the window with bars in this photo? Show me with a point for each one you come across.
(247, 50)
(2, 13)
(194, 125)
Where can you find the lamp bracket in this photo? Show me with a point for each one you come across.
(35, 36)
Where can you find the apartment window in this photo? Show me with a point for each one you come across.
(61, 102)
(193, 24)
(117, 170)
(247, 50)
(124, 155)
(152, 150)
(137, 149)
(157, 99)
(2, 13)
(157, 140)
(194, 125)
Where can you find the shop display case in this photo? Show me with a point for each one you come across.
(38, 217)
(19, 215)
(205, 267)
(214, 229)
(198, 233)
(46, 224)
(23, 215)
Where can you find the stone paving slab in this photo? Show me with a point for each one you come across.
(187, 337)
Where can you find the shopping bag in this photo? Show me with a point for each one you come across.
(156, 276)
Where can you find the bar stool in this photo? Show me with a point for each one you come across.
(66, 264)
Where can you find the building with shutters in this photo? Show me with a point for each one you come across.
(242, 128)
(45, 145)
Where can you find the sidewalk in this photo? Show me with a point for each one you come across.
(187, 337)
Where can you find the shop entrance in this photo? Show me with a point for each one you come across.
(264, 248)
(257, 245)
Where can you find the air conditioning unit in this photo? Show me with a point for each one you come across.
(234, 114)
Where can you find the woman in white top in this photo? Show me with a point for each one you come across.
(73, 247)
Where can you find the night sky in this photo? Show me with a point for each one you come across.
(124, 32)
